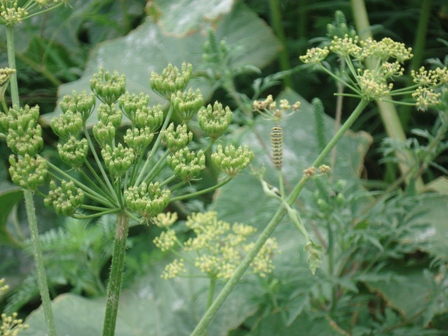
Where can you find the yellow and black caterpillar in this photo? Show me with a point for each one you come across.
(277, 143)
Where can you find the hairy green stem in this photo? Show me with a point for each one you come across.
(29, 201)
(267, 232)
(116, 274)
(39, 260)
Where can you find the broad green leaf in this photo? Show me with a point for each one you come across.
(8, 198)
(187, 16)
(434, 214)
(147, 49)
(407, 290)
(153, 306)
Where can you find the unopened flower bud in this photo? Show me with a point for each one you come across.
(106, 87)
(214, 120)
(230, 160)
(138, 139)
(104, 134)
(147, 200)
(151, 117)
(19, 117)
(65, 199)
(130, 104)
(171, 80)
(177, 139)
(117, 160)
(82, 103)
(187, 104)
(73, 152)
(68, 124)
(26, 140)
(108, 114)
(28, 172)
(186, 165)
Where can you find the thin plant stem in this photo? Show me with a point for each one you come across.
(116, 275)
(276, 20)
(211, 293)
(267, 232)
(39, 260)
(200, 192)
(29, 201)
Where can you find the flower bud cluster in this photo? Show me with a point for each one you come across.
(268, 108)
(214, 120)
(171, 80)
(27, 171)
(177, 139)
(148, 200)
(109, 115)
(11, 325)
(186, 165)
(82, 103)
(106, 87)
(11, 14)
(5, 75)
(139, 113)
(117, 159)
(218, 247)
(138, 139)
(73, 152)
(65, 199)
(165, 220)
(67, 125)
(187, 103)
(428, 82)
(230, 160)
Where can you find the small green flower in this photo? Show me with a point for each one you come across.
(171, 80)
(104, 133)
(11, 325)
(186, 165)
(109, 114)
(166, 240)
(65, 199)
(138, 139)
(373, 86)
(315, 56)
(19, 117)
(28, 172)
(187, 104)
(177, 139)
(11, 14)
(25, 141)
(165, 220)
(106, 87)
(73, 152)
(147, 200)
(218, 247)
(230, 160)
(130, 104)
(68, 124)
(214, 120)
(151, 117)
(82, 103)
(117, 160)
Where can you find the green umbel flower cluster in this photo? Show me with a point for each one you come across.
(65, 199)
(217, 248)
(374, 64)
(171, 80)
(147, 200)
(12, 14)
(214, 120)
(120, 172)
(231, 160)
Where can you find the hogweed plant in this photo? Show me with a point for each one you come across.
(371, 68)
(124, 178)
